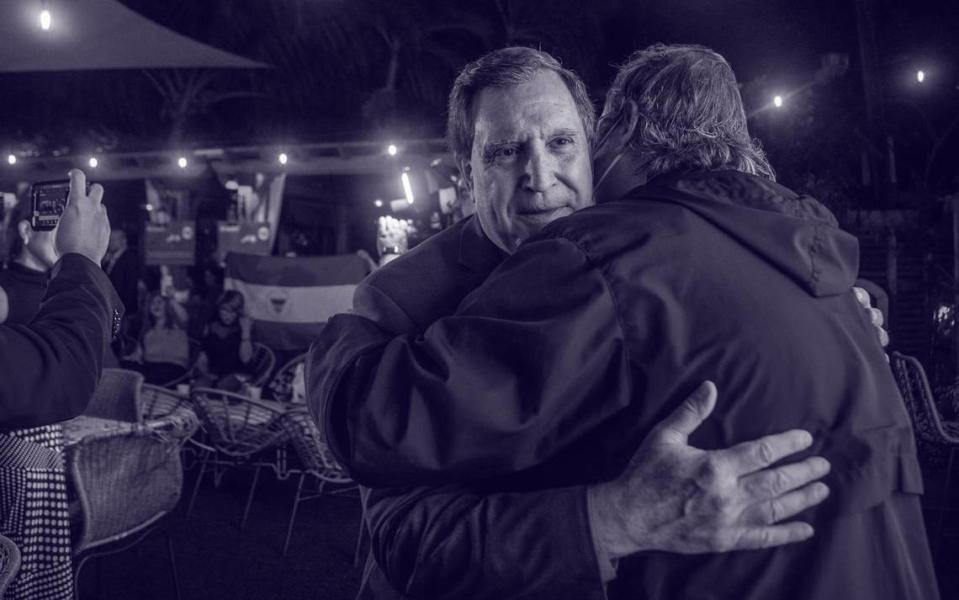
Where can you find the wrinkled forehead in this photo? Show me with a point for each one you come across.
(537, 107)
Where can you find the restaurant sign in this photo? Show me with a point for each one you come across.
(245, 238)
(171, 244)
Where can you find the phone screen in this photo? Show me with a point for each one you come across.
(48, 198)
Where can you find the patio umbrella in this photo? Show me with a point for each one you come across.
(98, 34)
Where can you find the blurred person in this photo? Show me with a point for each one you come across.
(490, 538)
(162, 351)
(23, 280)
(227, 350)
(694, 265)
(122, 265)
(392, 238)
(52, 366)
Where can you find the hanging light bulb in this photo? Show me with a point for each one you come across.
(182, 162)
(46, 19)
(93, 162)
(282, 158)
(778, 101)
(11, 159)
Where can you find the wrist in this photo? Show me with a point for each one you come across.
(612, 535)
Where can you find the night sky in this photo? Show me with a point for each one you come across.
(330, 60)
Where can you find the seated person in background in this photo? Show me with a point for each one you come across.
(23, 280)
(227, 349)
(163, 350)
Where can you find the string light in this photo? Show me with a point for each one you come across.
(182, 162)
(11, 159)
(378, 203)
(392, 150)
(93, 162)
(46, 20)
(920, 75)
(282, 158)
(778, 101)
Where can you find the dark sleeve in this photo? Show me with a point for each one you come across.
(532, 361)
(51, 366)
(450, 543)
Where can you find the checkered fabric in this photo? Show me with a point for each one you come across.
(33, 512)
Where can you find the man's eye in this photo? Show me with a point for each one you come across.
(506, 153)
(563, 141)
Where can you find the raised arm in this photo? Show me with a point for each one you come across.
(51, 366)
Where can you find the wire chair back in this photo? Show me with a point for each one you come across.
(237, 425)
(261, 364)
(915, 389)
(117, 396)
(307, 442)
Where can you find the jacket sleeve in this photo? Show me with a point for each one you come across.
(533, 360)
(52, 365)
(448, 542)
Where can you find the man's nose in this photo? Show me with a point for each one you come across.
(540, 170)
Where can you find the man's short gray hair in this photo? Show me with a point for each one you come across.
(503, 68)
(691, 115)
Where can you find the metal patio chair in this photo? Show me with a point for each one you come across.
(238, 430)
(927, 421)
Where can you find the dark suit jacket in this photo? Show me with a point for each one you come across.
(555, 369)
(455, 541)
(51, 366)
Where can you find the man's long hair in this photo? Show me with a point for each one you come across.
(690, 113)
(503, 68)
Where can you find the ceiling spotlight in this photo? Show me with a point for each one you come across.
(391, 150)
(778, 101)
(920, 75)
(12, 159)
(282, 158)
(182, 162)
(46, 20)
(407, 188)
(93, 162)
(378, 203)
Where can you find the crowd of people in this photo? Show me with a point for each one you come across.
(584, 389)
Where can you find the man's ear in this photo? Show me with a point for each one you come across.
(24, 229)
(631, 122)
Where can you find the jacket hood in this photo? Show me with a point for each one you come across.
(795, 233)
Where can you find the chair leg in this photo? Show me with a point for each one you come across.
(296, 504)
(196, 486)
(169, 549)
(944, 503)
(249, 497)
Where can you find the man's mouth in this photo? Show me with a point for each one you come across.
(544, 215)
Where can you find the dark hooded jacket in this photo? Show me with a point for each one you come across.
(553, 371)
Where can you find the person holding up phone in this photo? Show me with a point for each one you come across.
(30, 256)
(50, 366)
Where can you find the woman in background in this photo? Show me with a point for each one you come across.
(227, 348)
(162, 353)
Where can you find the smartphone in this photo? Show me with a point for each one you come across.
(47, 200)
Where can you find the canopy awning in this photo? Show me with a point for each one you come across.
(98, 34)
